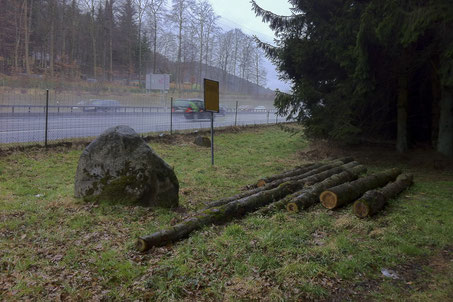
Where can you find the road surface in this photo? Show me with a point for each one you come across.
(30, 127)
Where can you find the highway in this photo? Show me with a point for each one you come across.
(30, 127)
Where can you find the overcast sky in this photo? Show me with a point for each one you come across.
(239, 14)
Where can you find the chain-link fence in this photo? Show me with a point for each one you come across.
(45, 116)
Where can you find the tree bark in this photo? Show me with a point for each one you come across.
(52, 39)
(315, 169)
(217, 215)
(311, 180)
(348, 192)
(402, 104)
(306, 198)
(296, 171)
(373, 201)
(293, 172)
(445, 138)
(221, 214)
(27, 29)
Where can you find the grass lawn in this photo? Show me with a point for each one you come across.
(55, 247)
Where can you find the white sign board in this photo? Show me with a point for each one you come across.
(157, 81)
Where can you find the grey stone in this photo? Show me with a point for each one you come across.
(202, 141)
(119, 166)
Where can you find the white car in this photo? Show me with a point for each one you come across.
(260, 108)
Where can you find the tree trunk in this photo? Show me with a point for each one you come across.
(221, 214)
(17, 23)
(303, 199)
(373, 201)
(348, 192)
(52, 39)
(155, 45)
(178, 66)
(317, 168)
(445, 138)
(140, 50)
(200, 71)
(93, 37)
(217, 215)
(303, 173)
(111, 40)
(27, 29)
(297, 171)
(352, 167)
(402, 104)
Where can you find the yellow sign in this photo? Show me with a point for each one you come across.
(211, 95)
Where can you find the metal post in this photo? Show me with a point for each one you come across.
(212, 138)
(268, 116)
(47, 117)
(171, 115)
(236, 114)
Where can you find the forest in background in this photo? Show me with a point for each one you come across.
(122, 40)
(368, 70)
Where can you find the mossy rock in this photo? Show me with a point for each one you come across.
(119, 166)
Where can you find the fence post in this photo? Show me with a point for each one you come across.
(236, 115)
(47, 117)
(276, 118)
(171, 115)
(268, 116)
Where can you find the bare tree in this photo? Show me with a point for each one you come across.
(28, 9)
(201, 13)
(210, 28)
(224, 54)
(91, 6)
(179, 17)
(259, 72)
(141, 5)
(156, 13)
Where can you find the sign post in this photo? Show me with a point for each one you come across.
(211, 103)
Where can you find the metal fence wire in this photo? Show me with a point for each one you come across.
(49, 116)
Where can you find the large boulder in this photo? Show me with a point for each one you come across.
(120, 166)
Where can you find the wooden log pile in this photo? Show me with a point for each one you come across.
(335, 183)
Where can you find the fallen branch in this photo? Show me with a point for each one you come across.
(348, 192)
(373, 201)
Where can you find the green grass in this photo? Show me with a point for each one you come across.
(54, 246)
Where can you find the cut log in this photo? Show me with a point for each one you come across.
(298, 171)
(374, 200)
(352, 170)
(217, 215)
(306, 198)
(317, 168)
(222, 214)
(348, 192)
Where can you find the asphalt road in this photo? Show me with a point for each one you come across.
(23, 127)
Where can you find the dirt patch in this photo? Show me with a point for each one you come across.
(246, 289)
(415, 274)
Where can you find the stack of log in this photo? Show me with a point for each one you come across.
(335, 183)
